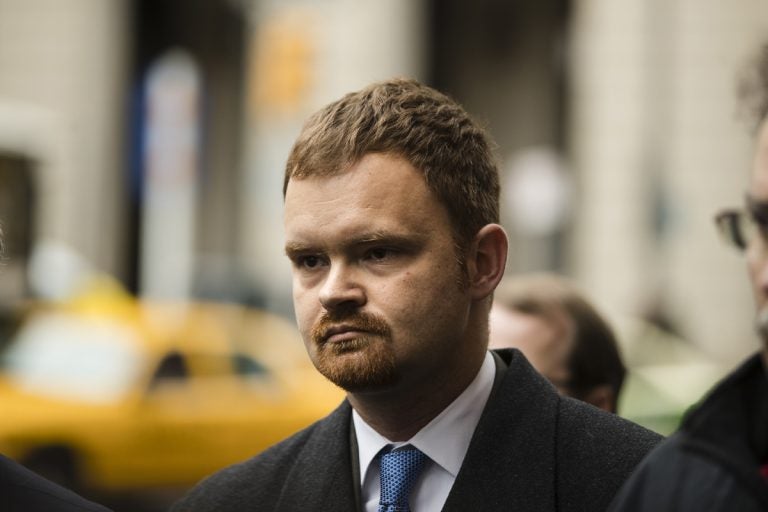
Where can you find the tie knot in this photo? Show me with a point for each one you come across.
(399, 471)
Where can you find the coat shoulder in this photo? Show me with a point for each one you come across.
(598, 451)
(266, 477)
(584, 427)
(231, 488)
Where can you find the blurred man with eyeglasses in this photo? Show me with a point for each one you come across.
(718, 460)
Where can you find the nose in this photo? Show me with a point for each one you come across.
(341, 289)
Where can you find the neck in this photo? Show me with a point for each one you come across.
(399, 414)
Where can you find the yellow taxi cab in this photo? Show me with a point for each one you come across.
(108, 393)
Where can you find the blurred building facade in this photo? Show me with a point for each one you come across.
(63, 69)
(659, 148)
(618, 116)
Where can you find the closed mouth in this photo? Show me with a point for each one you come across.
(341, 333)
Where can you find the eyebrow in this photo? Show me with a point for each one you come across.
(294, 248)
(385, 237)
(374, 237)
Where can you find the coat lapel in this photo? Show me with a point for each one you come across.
(515, 437)
(322, 475)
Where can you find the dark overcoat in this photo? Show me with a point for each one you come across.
(533, 450)
(712, 464)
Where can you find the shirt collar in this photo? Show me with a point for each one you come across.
(446, 438)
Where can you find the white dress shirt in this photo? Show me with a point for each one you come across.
(444, 440)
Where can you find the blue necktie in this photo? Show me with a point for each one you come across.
(399, 471)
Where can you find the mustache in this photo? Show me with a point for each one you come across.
(357, 321)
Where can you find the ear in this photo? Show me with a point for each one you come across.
(601, 397)
(486, 260)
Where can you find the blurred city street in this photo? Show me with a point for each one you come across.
(147, 333)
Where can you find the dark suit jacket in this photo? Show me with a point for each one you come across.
(532, 450)
(21, 490)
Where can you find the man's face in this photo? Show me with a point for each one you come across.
(546, 343)
(376, 278)
(757, 251)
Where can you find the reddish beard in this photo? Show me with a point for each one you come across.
(363, 363)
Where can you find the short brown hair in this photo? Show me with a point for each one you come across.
(595, 359)
(406, 118)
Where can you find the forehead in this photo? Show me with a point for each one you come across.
(545, 331)
(380, 193)
(545, 341)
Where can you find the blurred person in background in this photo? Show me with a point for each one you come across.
(21, 490)
(391, 220)
(718, 459)
(561, 334)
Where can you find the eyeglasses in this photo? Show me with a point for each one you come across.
(740, 228)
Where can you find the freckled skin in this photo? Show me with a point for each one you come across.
(374, 239)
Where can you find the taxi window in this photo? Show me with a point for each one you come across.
(248, 367)
(209, 365)
(172, 367)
